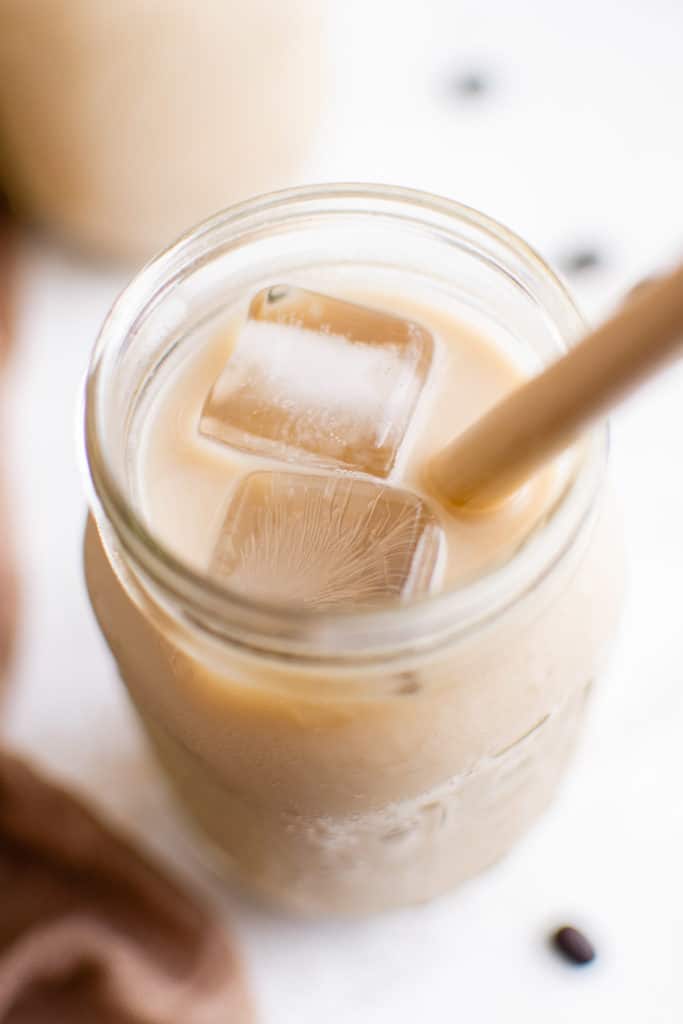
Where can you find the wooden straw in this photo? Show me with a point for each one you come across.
(482, 466)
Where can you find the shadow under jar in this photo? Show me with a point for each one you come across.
(347, 762)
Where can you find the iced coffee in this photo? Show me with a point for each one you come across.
(359, 697)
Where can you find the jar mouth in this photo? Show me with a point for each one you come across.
(309, 633)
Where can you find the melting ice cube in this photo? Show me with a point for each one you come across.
(326, 541)
(316, 379)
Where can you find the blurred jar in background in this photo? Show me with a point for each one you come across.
(122, 124)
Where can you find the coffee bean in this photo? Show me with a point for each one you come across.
(573, 945)
(581, 259)
(470, 84)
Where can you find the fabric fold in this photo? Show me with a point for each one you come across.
(91, 931)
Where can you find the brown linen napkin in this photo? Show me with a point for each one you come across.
(92, 933)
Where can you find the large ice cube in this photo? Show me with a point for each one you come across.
(316, 379)
(326, 541)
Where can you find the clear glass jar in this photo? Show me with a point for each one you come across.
(350, 762)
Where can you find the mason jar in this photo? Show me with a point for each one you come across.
(350, 761)
(121, 123)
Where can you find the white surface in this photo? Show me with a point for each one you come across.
(573, 145)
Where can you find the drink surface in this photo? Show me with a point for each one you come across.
(361, 390)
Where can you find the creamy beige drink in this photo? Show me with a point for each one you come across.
(184, 478)
(342, 746)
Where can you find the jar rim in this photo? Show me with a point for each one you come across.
(308, 633)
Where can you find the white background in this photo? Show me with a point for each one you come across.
(578, 142)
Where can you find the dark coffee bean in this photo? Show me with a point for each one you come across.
(468, 85)
(471, 84)
(580, 260)
(573, 945)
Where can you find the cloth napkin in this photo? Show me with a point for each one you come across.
(91, 932)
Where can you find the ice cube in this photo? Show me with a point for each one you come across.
(326, 541)
(320, 380)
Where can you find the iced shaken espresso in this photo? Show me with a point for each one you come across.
(359, 697)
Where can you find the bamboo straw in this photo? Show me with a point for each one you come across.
(482, 466)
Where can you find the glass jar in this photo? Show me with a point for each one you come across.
(121, 123)
(346, 762)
